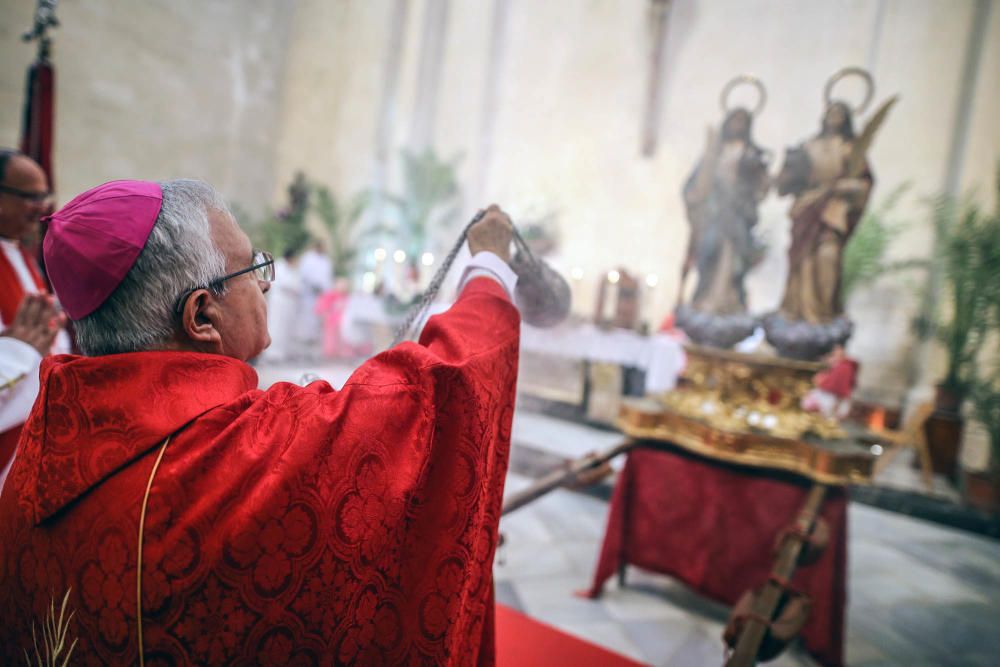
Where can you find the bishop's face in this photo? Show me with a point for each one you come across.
(23, 198)
(242, 321)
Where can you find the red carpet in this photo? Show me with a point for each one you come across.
(524, 642)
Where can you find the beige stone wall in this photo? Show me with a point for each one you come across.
(157, 89)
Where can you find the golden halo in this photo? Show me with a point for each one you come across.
(846, 72)
(744, 79)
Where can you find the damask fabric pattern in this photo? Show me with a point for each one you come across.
(298, 525)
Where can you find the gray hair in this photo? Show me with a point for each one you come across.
(179, 255)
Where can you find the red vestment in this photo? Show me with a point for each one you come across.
(840, 379)
(297, 525)
(11, 295)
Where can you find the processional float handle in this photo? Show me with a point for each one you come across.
(766, 619)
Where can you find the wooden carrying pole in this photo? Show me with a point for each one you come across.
(745, 654)
(558, 478)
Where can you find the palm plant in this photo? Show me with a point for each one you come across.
(340, 221)
(969, 258)
(865, 253)
(429, 201)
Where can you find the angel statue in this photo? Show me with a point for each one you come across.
(721, 197)
(830, 181)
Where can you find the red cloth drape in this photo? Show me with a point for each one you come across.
(713, 526)
(39, 113)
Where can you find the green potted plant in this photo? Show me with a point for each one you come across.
(964, 233)
(967, 253)
(341, 223)
(865, 254)
(865, 262)
(429, 202)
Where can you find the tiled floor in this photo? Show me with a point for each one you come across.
(919, 594)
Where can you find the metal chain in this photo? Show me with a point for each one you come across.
(419, 310)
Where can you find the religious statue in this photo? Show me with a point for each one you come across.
(721, 196)
(830, 180)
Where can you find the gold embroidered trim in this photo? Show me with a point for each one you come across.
(9, 384)
(138, 569)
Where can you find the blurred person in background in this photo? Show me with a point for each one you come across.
(24, 199)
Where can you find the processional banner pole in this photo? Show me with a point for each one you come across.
(39, 104)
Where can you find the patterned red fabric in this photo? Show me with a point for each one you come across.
(714, 526)
(297, 525)
(11, 295)
(11, 289)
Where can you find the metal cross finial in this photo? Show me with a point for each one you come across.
(45, 18)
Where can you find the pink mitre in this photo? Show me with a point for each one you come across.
(93, 241)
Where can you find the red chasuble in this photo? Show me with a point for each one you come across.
(297, 525)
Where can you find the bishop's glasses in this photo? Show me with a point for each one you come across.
(262, 267)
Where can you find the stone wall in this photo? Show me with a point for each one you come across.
(157, 89)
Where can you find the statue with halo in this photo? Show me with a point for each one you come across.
(721, 197)
(830, 180)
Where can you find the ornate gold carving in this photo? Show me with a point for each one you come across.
(736, 376)
(830, 462)
(745, 409)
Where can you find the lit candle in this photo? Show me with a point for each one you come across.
(379, 255)
(426, 262)
(648, 302)
(876, 420)
(402, 280)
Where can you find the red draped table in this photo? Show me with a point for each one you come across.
(713, 526)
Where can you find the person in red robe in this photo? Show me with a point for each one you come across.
(833, 387)
(24, 199)
(164, 510)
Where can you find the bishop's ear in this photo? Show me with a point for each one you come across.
(200, 321)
